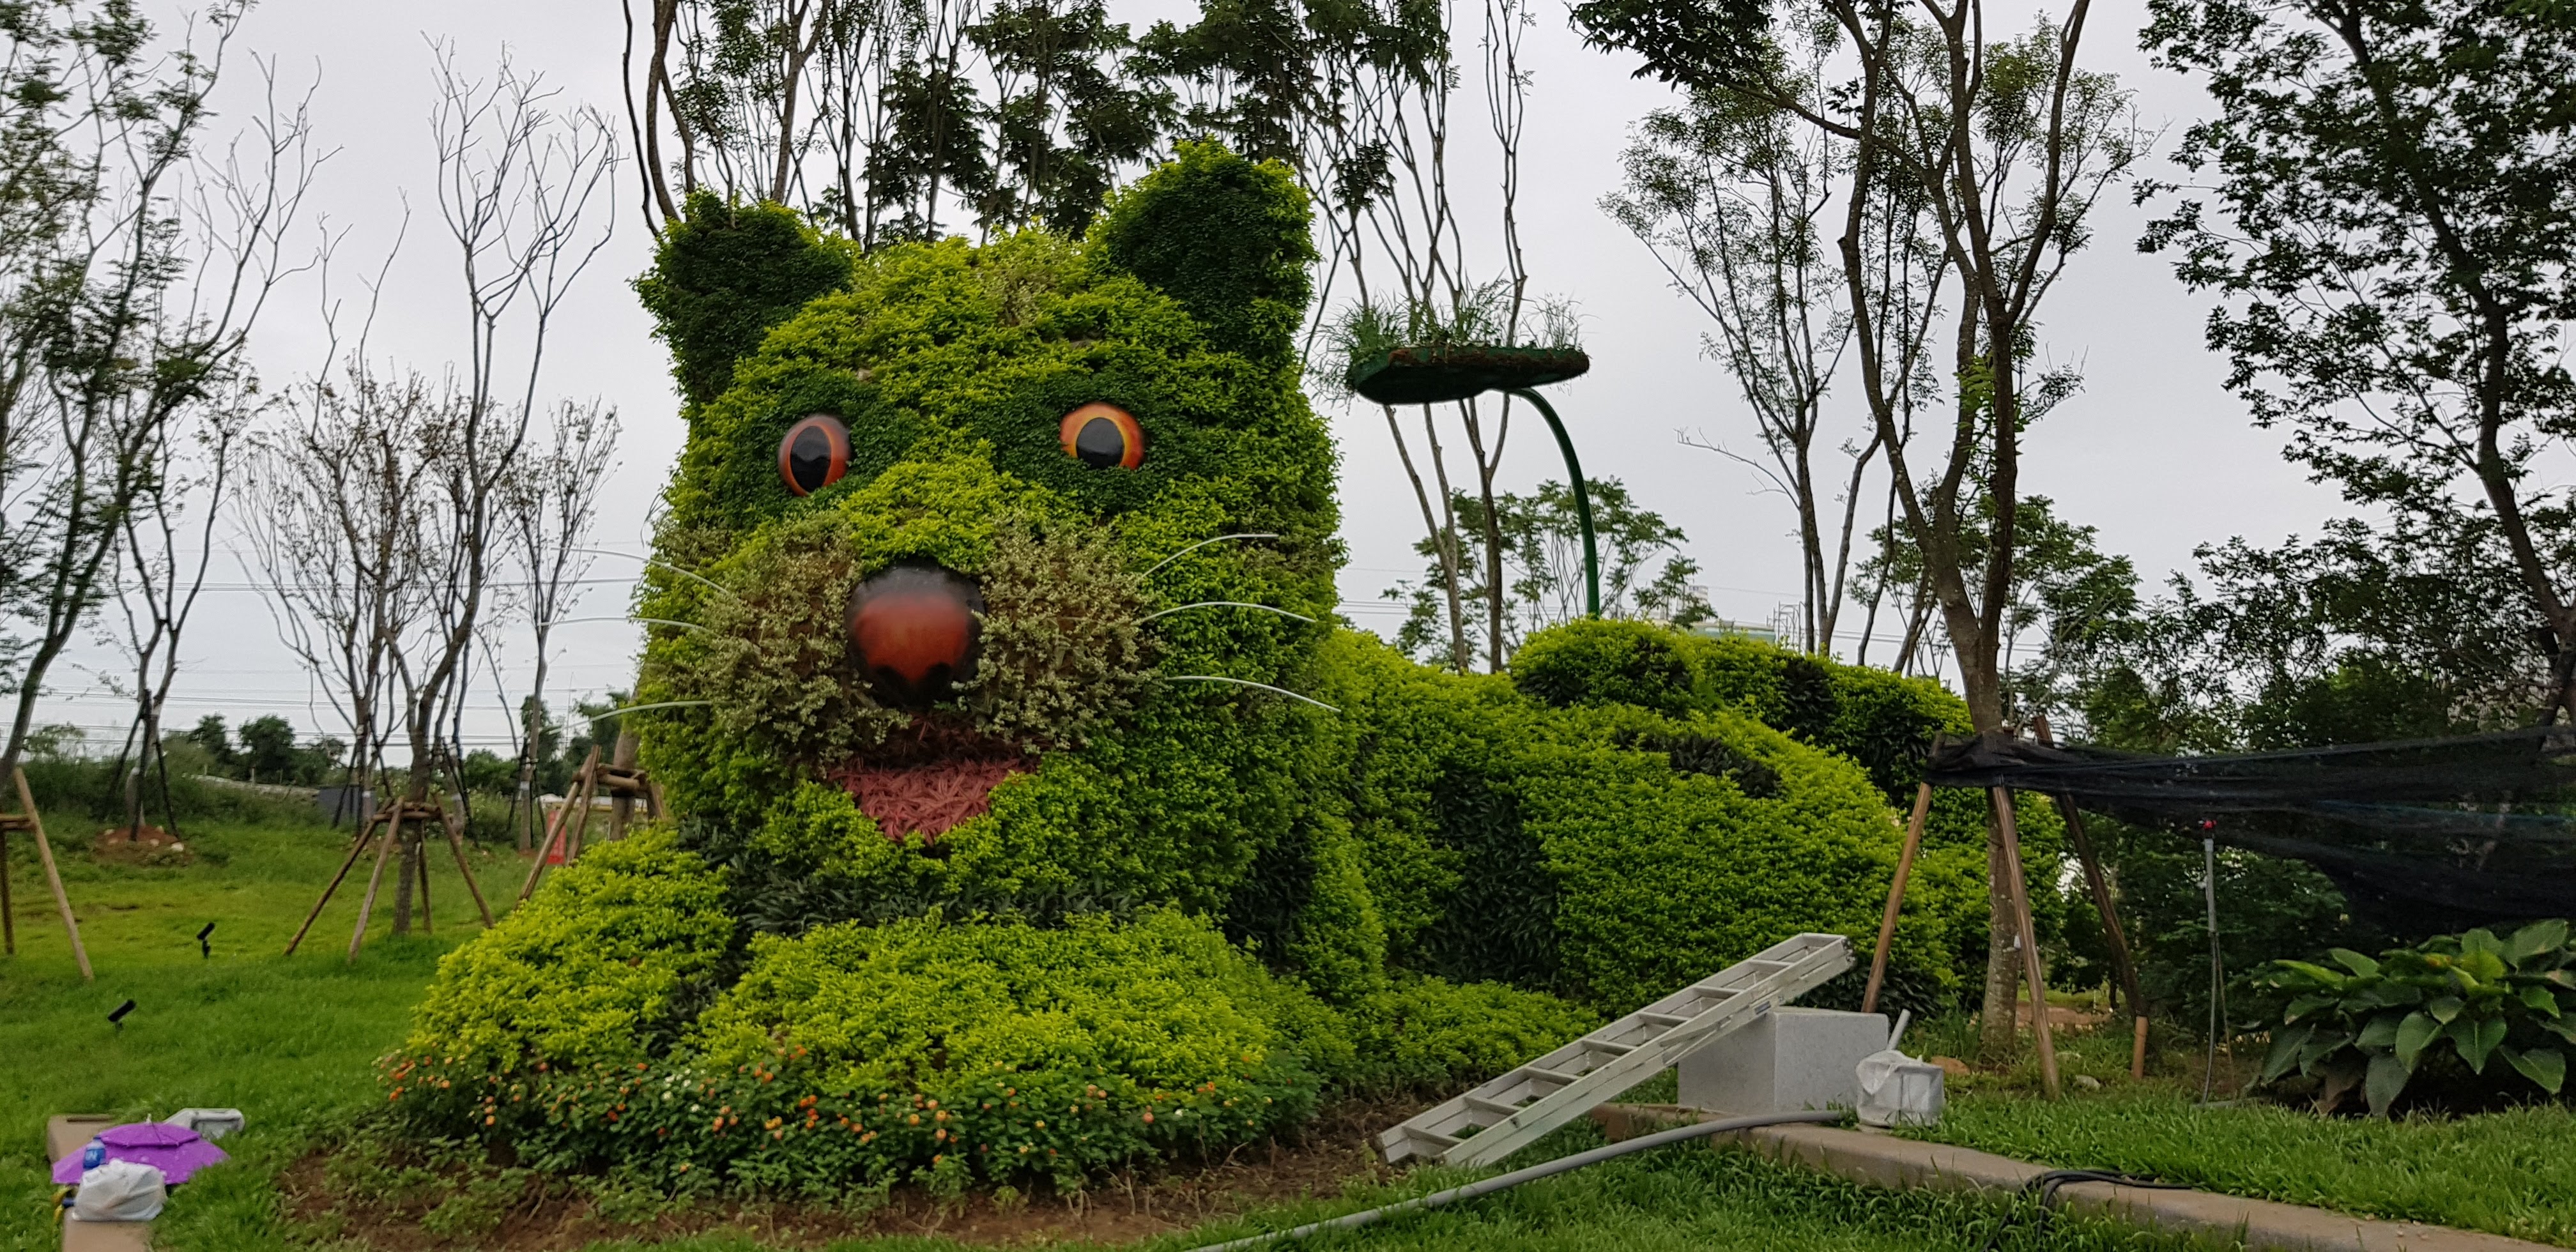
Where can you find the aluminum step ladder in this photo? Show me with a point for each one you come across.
(1513, 1111)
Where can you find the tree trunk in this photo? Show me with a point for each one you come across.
(2003, 960)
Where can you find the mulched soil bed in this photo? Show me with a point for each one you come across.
(1336, 1151)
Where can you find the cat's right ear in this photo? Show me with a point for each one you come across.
(723, 275)
(1231, 239)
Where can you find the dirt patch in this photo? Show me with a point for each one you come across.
(540, 1214)
(139, 845)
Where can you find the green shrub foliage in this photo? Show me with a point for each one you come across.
(1190, 906)
(1628, 831)
(2482, 1017)
(585, 972)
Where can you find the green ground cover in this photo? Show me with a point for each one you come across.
(288, 1039)
(2512, 1173)
(1690, 1197)
(291, 1041)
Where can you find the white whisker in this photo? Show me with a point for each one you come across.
(709, 584)
(1256, 534)
(666, 704)
(656, 621)
(1223, 604)
(1246, 682)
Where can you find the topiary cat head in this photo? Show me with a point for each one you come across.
(995, 557)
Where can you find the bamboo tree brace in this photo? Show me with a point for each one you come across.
(33, 822)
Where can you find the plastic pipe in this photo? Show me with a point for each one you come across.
(1504, 1182)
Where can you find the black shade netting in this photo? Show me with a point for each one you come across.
(2424, 836)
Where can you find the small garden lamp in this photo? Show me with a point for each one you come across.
(1433, 373)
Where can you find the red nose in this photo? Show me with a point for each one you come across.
(914, 629)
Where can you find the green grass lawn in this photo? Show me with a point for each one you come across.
(2512, 1173)
(1689, 1197)
(290, 1041)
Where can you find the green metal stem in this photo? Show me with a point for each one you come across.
(1582, 501)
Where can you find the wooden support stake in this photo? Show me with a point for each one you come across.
(581, 815)
(623, 807)
(357, 848)
(2029, 941)
(456, 843)
(421, 864)
(2112, 932)
(2117, 938)
(375, 879)
(53, 877)
(8, 912)
(545, 848)
(1896, 896)
(560, 830)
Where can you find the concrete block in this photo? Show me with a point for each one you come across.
(1788, 1060)
(81, 1236)
(66, 1133)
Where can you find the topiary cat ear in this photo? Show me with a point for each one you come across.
(723, 275)
(1228, 238)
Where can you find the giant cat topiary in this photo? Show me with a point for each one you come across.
(1033, 813)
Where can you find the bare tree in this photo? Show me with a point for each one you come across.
(121, 310)
(548, 507)
(239, 209)
(1377, 138)
(163, 579)
(1732, 197)
(379, 514)
(517, 190)
(329, 514)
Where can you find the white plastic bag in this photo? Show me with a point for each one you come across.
(120, 1191)
(1897, 1090)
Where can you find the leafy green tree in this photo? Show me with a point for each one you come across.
(2364, 633)
(211, 734)
(131, 271)
(1542, 557)
(2391, 235)
(894, 120)
(1073, 108)
(268, 750)
(933, 143)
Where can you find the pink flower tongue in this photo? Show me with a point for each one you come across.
(926, 799)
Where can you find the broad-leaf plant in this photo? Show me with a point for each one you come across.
(2374, 1023)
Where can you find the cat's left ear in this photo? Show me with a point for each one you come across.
(1229, 238)
(726, 273)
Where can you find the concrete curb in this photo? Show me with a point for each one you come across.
(1878, 1159)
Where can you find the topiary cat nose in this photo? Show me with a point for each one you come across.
(915, 630)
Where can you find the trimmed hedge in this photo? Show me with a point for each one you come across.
(1881, 721)
(1612, 850)
(1196, 906)
(583, 973)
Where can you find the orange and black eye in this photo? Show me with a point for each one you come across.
(814, 454)
(1102, 435)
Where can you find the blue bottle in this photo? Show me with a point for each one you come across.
(93, 1156)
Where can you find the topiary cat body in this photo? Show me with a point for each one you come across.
(1054, 819)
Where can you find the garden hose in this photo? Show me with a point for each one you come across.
(1504, 1182)
(2043, 1188)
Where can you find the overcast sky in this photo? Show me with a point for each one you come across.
(2153, 452)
